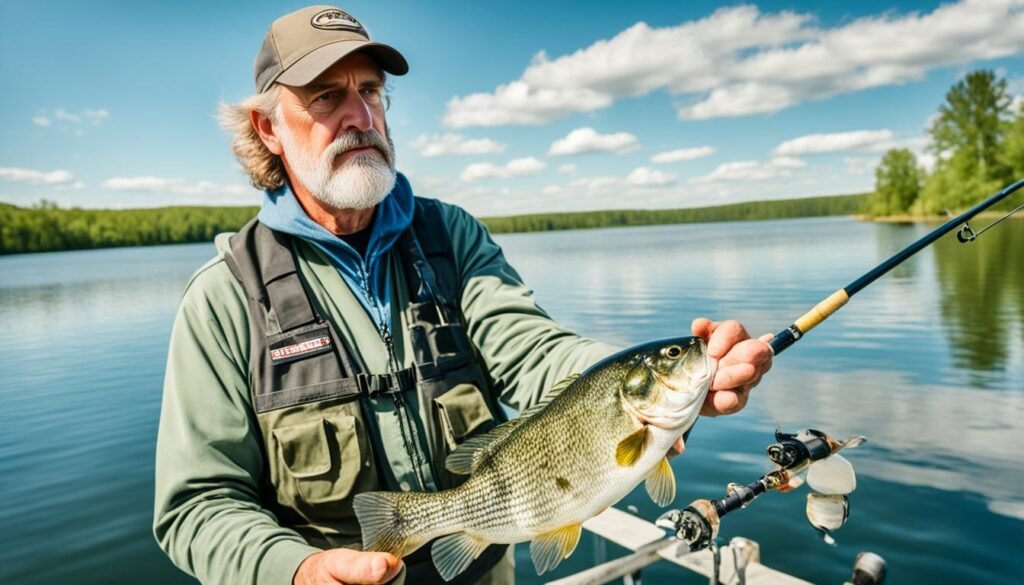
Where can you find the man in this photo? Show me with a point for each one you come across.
(349, 338)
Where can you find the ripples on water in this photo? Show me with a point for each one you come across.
(928, 363)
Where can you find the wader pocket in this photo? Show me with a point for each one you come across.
(462, 412)
(320, 460)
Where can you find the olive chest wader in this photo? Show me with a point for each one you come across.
(309, 389)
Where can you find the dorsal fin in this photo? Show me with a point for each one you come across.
(467, 456)
(550, 395)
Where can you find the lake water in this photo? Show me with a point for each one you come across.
(928, 363)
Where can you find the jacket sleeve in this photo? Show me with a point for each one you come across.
(208, 517)
(525, 351)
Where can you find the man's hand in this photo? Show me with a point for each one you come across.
(342, 566)
(741, 363)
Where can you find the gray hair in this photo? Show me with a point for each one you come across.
(266, 169)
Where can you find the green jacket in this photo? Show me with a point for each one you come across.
(210, 463)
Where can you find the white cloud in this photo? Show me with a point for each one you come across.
(67, 116)
(585, 140)
(552, 190)
(170, 185)
(58, 177)
(455, 144)
(518, 103)
(640, 177)
(860, 165)
(645, 177)
(567, 169)
(91, 117)
(752, 170)
(96, 116)
(75, 186)
(514, 168)
(835, 142)
(739, 61)
(672, 156)
(596, 184)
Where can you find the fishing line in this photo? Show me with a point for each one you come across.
(811, 319)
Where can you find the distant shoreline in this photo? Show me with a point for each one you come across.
(53, 229)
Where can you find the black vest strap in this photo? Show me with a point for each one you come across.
(268, 274)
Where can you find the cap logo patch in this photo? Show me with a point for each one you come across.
(334, 19)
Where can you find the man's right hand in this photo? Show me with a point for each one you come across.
(342, 566)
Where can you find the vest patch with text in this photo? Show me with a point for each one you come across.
(301, 346)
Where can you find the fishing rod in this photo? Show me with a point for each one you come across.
(811, 319)
(696, 527)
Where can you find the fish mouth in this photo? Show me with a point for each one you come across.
(681, 415)
(710, 368)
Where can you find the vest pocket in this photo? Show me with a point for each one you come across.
(462, 412)
(320, 460)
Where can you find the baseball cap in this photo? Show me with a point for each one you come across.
(303, 44)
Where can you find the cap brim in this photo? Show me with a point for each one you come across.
(316, 62)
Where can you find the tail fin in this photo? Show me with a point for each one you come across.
(381, 522)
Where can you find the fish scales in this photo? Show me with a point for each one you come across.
(546, 473)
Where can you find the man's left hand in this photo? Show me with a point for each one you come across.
(741, 363)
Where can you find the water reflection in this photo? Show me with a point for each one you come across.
(982, 302)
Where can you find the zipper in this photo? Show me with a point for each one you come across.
(405, 423)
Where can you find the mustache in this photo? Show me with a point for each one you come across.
(355, 139)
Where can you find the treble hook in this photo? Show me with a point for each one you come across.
(966, 234)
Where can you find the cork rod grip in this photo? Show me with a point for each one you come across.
(822, 310)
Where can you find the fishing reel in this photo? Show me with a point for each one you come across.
(828, 474)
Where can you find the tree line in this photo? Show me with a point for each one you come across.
(977, 139)
(46, 227)
(751, 210)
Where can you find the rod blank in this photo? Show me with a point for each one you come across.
(811, 319)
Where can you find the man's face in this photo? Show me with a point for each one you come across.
(334, 136)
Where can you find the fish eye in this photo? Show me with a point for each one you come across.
(672, 352)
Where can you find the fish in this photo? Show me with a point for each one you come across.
(592, 439)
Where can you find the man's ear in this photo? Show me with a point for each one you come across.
(265, 129)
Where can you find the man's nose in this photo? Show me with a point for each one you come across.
(356, 113)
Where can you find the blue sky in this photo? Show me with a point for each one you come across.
(508, 108)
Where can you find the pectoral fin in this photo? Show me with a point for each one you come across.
(632, 447)
(550, 548)
(453, 553)
(661, 484)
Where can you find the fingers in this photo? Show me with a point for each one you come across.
(742, 362)
(724, 402)
(743, 365)
(736, 376)
(702, 327)
(720, 335)
(355, 567)
(677, 448)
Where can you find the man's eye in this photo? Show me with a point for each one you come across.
(371, 94)
(326, 97)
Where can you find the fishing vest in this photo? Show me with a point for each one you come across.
(322, 445)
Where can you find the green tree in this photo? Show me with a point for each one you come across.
(966, 138)
(897, 183)
(1012, 152)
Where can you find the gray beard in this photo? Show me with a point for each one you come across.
(361, 182)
